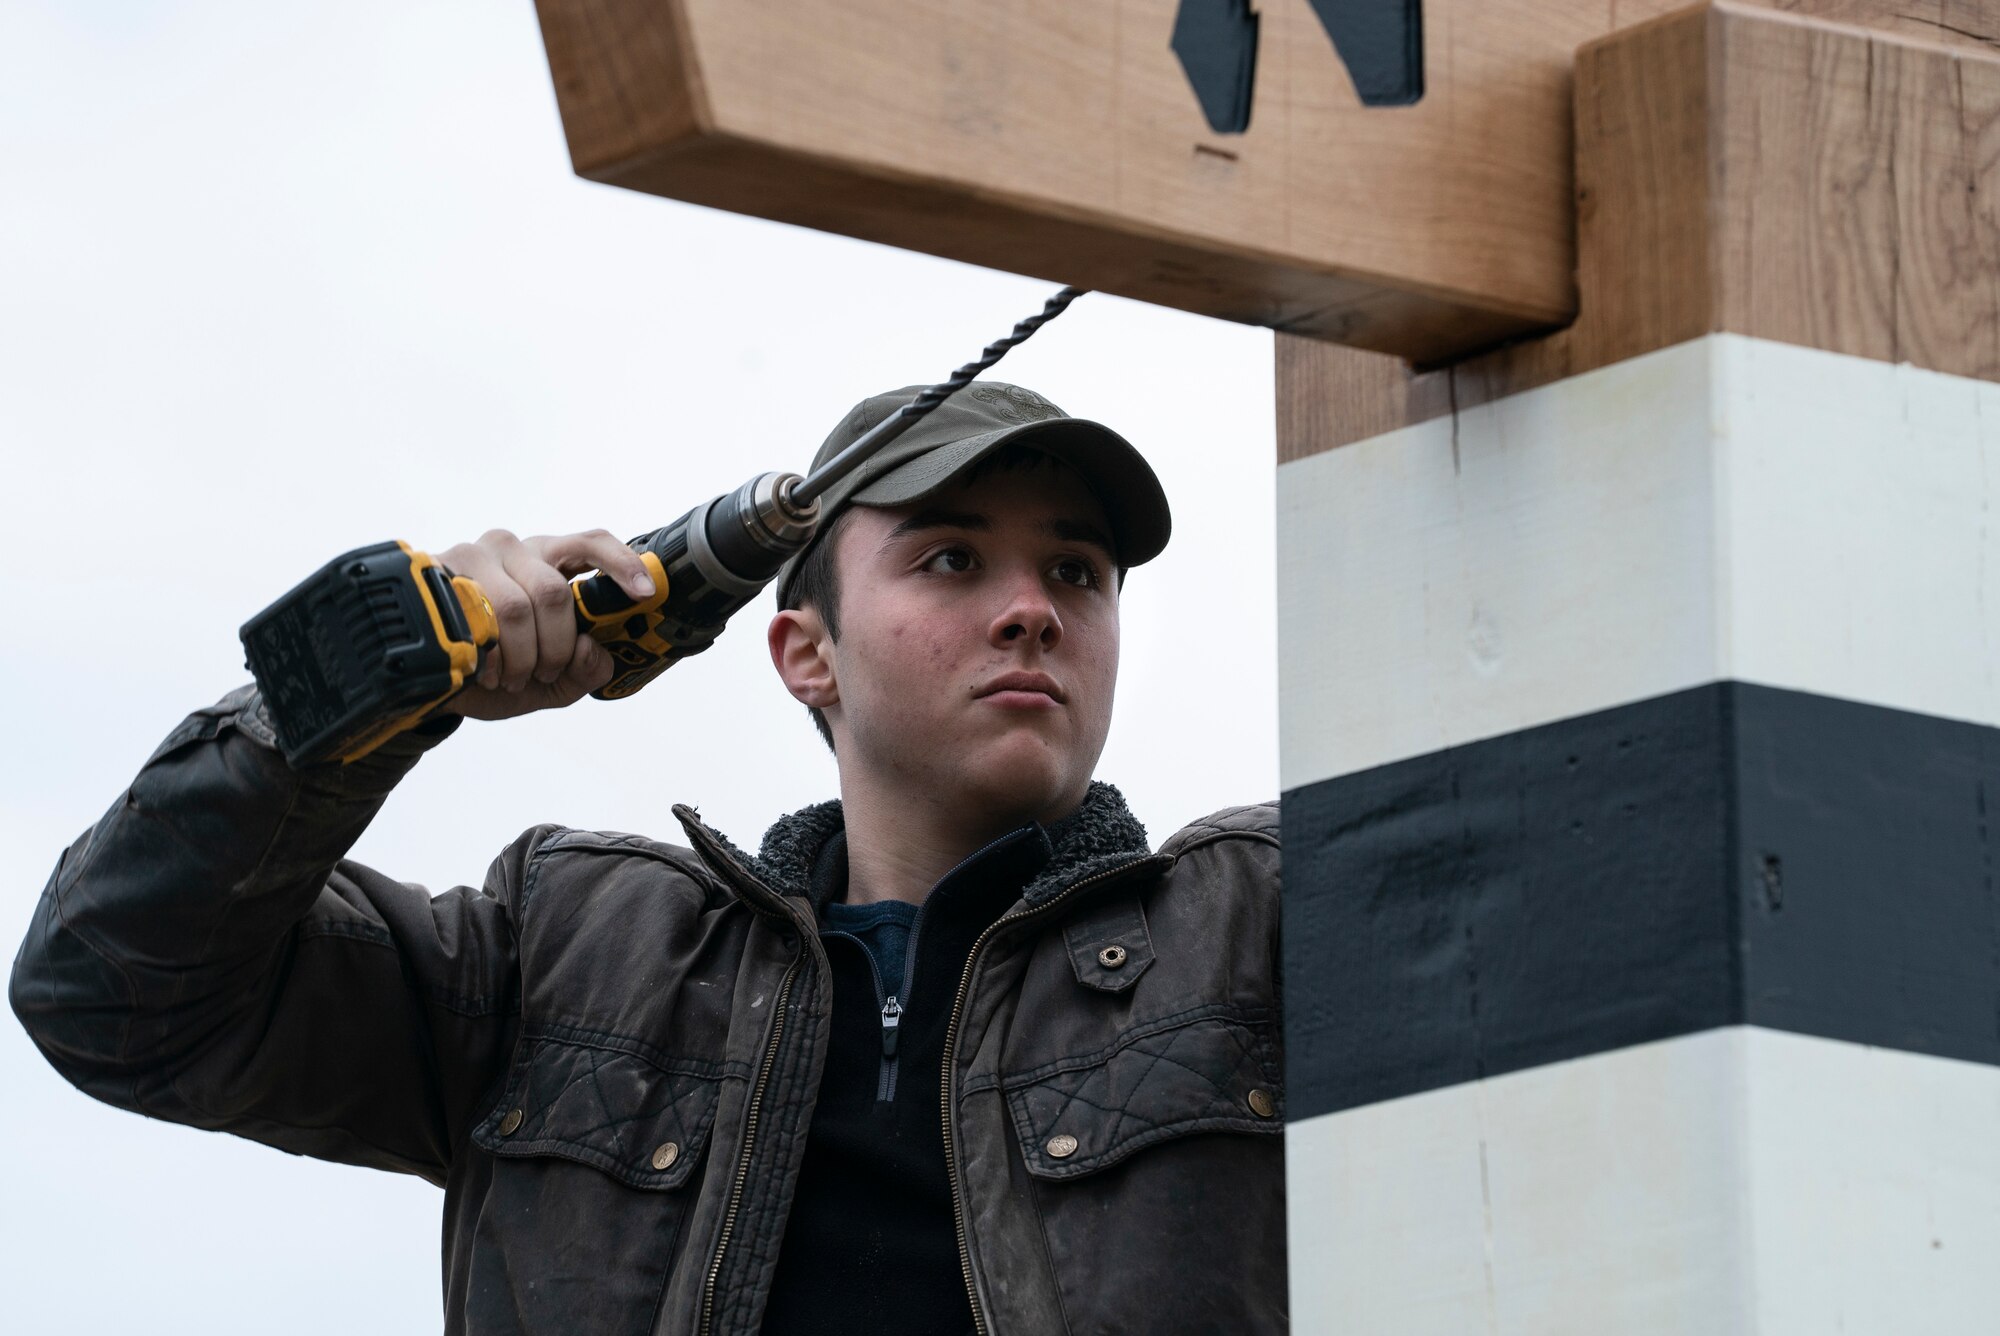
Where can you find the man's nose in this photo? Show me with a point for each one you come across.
(1028, 614)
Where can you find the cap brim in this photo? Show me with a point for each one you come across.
(1116, 474)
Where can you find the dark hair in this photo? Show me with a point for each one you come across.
(816, 585)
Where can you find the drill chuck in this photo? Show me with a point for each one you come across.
(746, 535)
(706, 566)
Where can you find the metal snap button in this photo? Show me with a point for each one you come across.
(511, 1123)
(1262, 1104)
(664, 1157)
(1111, 957)
(1061, 1146)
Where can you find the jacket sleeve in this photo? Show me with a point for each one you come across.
(205, 954)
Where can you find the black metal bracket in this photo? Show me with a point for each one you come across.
(1216, 41)
(1382, 44)
(1380, 41)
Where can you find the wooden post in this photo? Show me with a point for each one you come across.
(1641, 710)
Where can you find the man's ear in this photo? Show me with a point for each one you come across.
(802, 652)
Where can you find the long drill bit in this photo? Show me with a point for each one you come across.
(888, 429)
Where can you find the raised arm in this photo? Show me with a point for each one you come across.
(206, 953)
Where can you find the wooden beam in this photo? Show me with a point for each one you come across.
(1063, 140)
(1744, 171)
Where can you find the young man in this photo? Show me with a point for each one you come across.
(954, 1053)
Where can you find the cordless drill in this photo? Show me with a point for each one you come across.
(376, 639)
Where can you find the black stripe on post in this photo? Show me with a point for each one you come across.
(1726, 855)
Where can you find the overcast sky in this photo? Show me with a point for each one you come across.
(279, 280)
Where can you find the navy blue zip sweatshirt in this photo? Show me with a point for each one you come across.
(871, 1248)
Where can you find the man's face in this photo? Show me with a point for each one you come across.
(978, 646)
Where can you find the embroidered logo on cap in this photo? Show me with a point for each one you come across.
(1014, 403)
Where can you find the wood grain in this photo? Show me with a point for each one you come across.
(1061, 139)
(1747, 171)
(600, 53)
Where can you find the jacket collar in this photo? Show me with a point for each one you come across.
(1099, 834)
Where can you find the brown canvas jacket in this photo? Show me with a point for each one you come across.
(607, 1054)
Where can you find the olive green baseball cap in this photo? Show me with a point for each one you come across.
(986, 416)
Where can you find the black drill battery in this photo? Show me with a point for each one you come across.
(364, 648)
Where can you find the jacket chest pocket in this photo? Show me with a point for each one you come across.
(597, 1154)
(1158, 1168)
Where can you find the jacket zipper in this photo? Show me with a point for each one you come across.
(891, 1007)
(950, 1065)
(749, 1145)
(891, 1004)
(892, 1019)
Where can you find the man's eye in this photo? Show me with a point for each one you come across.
(952, 559)
(1076, 571)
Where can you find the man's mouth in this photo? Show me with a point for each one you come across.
(1020, 686)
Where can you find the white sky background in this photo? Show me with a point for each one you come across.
(278, 280)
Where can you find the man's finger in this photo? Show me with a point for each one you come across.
(485, 562)
(598, 550)
(592, 667)
(552, 604)
(478, 564)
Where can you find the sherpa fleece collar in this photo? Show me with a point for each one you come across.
(1100, 834)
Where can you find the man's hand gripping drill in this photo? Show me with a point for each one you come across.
(540, 658)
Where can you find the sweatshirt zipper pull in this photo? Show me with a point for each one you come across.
(892, 1017)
